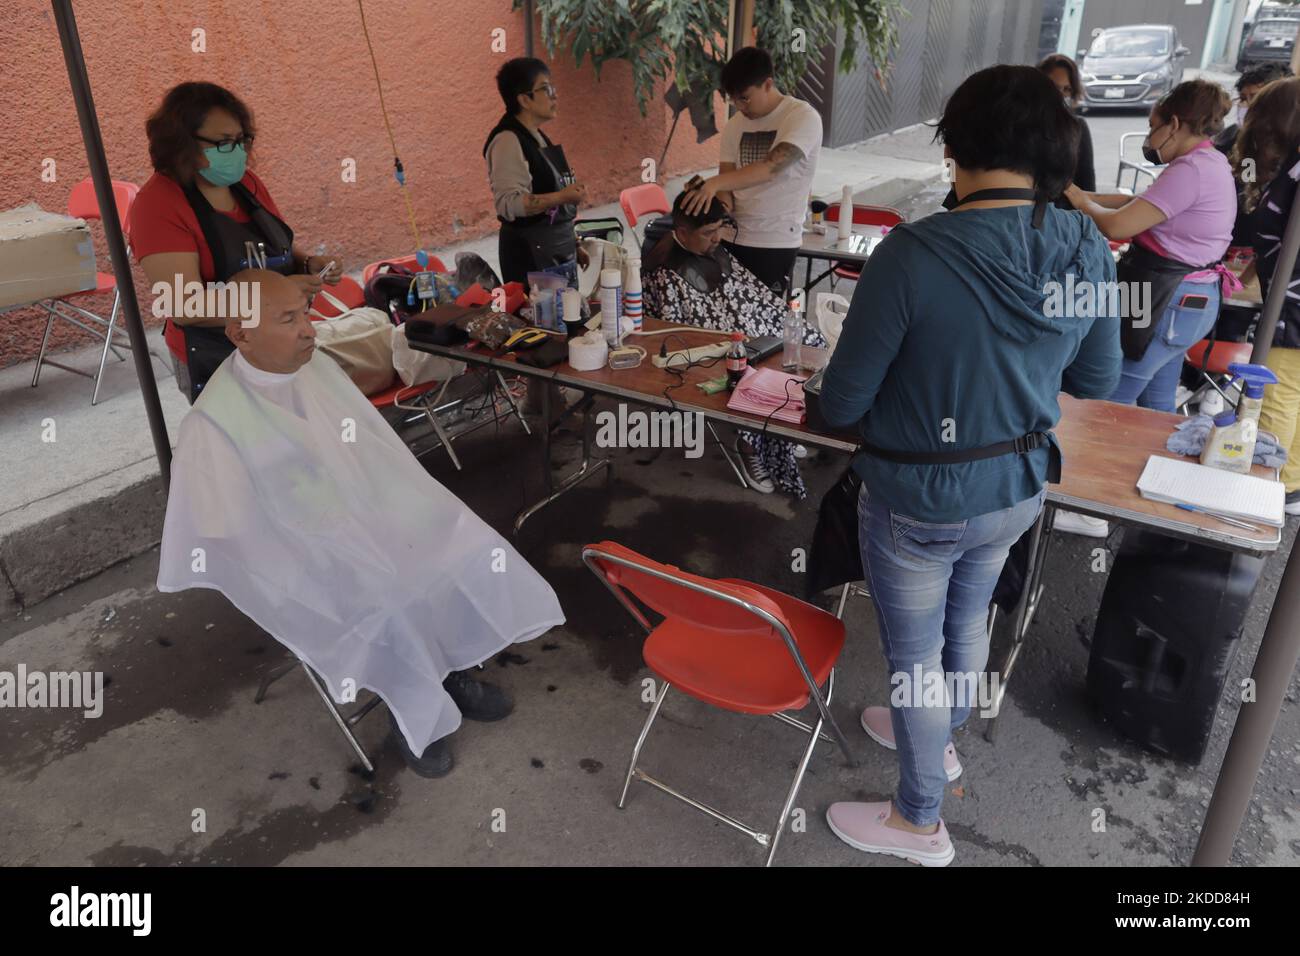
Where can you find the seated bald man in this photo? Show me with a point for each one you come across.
(293, 497)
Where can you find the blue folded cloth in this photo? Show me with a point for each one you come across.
(1190, 436)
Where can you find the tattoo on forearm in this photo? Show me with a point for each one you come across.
(534, 203)
(784, 155)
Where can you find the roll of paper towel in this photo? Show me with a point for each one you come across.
(588, 352)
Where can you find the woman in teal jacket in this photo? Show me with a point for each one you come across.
(963, 329)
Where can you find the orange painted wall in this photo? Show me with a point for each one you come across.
(302, 67)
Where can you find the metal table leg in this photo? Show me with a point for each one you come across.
(585, 470)
(1029, 597)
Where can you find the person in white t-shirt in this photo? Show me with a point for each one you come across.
(765, 169)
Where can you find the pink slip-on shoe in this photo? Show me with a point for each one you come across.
(876, 722)
(862, 826)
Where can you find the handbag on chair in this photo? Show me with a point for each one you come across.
(361, 342)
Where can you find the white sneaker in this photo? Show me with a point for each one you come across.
(1292, 506)
(752, 467)
(800, 451)
(1071, 522)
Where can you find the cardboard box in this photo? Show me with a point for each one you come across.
(43, 255)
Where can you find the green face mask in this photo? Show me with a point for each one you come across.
(225, 169)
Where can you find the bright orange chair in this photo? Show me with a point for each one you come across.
(83, 204)
(732, 644)
(862, 216)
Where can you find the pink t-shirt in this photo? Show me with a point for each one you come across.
(1198, 196)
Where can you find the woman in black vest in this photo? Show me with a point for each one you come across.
(533, 189)
(203, 216)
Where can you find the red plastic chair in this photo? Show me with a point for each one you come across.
(734, 644)
(83, 204)
(867, 215)
(647, 199)
(1215, 357)
(643, 200)
(477, 295)
(410, 262)
(1211, 359)
(346, 291)
(862, 216)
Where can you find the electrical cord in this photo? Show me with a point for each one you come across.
(398, 172)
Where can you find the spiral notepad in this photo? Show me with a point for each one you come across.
(1241, 496)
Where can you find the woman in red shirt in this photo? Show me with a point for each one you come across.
(203, 216)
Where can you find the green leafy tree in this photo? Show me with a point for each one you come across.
(685, 40)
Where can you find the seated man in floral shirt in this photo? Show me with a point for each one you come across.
(691, 279)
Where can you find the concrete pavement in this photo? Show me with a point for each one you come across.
(276, 783)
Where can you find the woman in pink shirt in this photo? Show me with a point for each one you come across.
(1180, 227)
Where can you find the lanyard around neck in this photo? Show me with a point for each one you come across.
(1008, 192)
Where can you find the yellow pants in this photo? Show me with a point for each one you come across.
(1280, 413)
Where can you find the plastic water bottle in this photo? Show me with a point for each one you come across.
(611, 282)
(632, 294)
(792, 329)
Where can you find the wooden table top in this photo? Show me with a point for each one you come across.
(1106, 446)
(650, 385)
(1249, 295)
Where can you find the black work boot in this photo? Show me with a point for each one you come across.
(476, 700)
(436, 761)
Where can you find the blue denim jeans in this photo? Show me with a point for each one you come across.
(1152, 381)
(931, 585)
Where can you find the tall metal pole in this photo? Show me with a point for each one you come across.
(529, 43)
(1274, 664)
(80, 82)
(1279, 649)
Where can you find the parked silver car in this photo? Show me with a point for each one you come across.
(1131, 67)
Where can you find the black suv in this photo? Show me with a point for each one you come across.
(1268, 41)
(1131, 67)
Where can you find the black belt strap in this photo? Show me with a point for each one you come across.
(1019, 446)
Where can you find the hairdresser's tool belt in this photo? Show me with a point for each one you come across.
(1019, 446)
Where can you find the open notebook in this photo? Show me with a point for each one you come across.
(1184, 482)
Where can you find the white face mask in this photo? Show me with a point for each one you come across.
(1242, 109)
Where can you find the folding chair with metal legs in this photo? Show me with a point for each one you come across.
(696, 609)
(429, 405)
(108, 328)
(344, 722)
(769, 840)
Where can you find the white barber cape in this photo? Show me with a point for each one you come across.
(345, 551)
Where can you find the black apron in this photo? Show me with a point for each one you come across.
(206, 347)
(1140, 264)
(544, 240)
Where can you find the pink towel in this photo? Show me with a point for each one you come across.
(763, 391)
